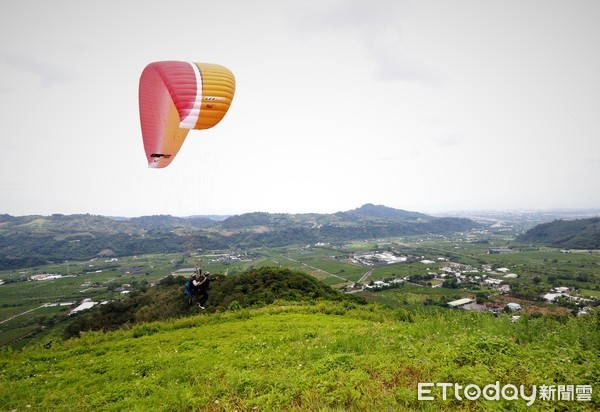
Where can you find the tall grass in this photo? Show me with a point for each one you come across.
(291, 356)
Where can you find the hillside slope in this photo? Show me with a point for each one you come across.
(255, 287)
(569, 234)
(323, 356)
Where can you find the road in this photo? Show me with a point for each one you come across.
(317, 269)
(365, 276)
(21, 314)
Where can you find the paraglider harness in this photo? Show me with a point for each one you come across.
(189, 288)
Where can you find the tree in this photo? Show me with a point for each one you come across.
(450, 283)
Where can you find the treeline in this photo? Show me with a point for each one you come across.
(26, 251)
(568, 234)
(253, 288)
(35, 240)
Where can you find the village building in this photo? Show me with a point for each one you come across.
(513, 306)
(460, 302)
(45, 276)
(551, 297)
(498, 250)
(504, 289)
(85, 305)
(184, 272)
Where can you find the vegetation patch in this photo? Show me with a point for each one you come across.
(299, 356)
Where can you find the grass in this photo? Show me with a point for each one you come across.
(322, 356)
(589, 292)
(415, 296)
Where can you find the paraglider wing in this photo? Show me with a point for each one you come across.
(175, 97)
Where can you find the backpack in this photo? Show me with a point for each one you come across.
(188, 288)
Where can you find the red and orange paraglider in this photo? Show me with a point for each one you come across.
(177, 96)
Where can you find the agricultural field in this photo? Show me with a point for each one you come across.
(25, 310)
(29, 306)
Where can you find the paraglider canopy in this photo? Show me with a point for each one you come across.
(176, 96)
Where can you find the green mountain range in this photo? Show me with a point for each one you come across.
(33, 240)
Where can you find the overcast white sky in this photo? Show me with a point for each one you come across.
(427, 106)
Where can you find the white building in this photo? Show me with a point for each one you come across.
(504, 289)
(460, 302)
(45, 276)
(85, 305)
(551, 297)
(514, 306)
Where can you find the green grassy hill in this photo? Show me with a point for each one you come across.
(253, 288)
(305, 356)
(569, 234)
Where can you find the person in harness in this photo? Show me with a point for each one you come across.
(190, 288)
(202, 285)
(196, 288)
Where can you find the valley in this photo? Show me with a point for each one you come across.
(333, 322)
(483, 264)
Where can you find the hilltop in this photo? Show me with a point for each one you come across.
(370, 211)
(35, 240)
(253, 288)
(292, 356)
(568, 234)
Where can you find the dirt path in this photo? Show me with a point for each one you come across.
(20, 314)
(317, 269)
(365, 276)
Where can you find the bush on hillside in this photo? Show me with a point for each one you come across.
(253, 288)
(259, 287)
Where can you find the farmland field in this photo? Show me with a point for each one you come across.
(23, 315)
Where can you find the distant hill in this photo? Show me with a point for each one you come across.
(371, 211)
(366, 215)
(34, 240)
(568, 234)
(367, 222)
(171, 222)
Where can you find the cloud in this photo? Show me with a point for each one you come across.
(395, 67)
(49, 76)
(448, 139)
(377, 26)
(5, 146)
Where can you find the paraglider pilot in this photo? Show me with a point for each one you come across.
(202, 286)
(197, 286)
